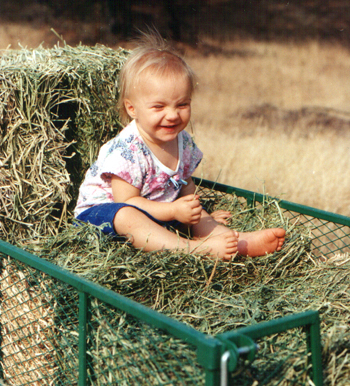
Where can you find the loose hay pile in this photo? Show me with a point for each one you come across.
(181, 284)
(56, 109)
(215, 296)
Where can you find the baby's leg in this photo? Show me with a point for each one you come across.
(145, 234)
(252, 244)
(215, 234)
(208, 226)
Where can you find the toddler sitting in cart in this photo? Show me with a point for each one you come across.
(140, 186)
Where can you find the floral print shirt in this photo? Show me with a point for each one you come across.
(128, 157)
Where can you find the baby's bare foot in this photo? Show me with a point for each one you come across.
(223, 245)
(261, 242)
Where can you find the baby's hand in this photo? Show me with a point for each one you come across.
(221, 216)
(187, 209)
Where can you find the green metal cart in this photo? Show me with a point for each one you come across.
(113, 340)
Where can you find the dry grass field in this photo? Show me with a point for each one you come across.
(270, 117)
(275, 118)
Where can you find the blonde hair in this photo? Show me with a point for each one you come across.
(152, 53)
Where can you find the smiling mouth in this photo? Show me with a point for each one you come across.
(169, 127)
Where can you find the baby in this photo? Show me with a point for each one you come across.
(140, 186)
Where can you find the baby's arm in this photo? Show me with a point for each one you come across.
(219, 216)
(186, 209)
(189, 188)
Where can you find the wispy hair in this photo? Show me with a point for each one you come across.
(152, 55)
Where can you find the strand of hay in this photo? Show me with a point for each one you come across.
(57, 106)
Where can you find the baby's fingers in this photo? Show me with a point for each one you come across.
(220, 216)
(221, 221)
(195, 219)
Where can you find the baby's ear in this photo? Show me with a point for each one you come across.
(130, 109)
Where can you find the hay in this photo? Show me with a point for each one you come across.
(27, 319)
(57, 106)
(169, 280)
(56, 109)
(215, 296)
(211, 295)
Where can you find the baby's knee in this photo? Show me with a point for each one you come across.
(124, 215)
(126, 219)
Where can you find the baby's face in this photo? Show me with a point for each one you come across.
(161, 106)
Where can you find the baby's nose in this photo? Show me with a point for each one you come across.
(172, 114)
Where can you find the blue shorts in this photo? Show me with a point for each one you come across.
(104, 215)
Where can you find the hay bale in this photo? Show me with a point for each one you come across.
(57, 106)
(28, 331)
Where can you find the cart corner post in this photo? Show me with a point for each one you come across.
(84, 307)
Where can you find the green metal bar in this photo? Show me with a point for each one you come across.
(83, 320)
(252, 196)
(212, 378)
(105, 295)
(309, 319)
(313, 334)
(207, 346)
(275, 326)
